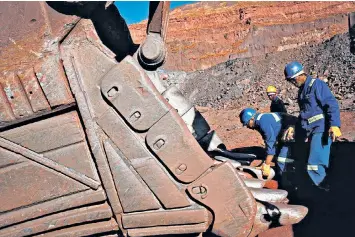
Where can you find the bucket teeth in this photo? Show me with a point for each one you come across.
(278, 214)
(291, 214)
(254, 183)
(269, 195)
(245, 175)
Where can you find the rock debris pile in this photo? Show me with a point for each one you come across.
(242, 82)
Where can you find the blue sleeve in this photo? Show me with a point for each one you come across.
(329, 103)
(269, 138)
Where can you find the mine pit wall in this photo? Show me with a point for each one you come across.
(266, 39)
(202, 35)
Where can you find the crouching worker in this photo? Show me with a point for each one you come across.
(275, 132)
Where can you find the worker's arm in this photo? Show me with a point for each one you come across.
(330, 107)
(281, 106)
(329, 103)
(270, 141)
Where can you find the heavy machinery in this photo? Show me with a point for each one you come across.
(92, 142)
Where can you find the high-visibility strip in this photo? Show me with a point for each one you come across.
(312, 81)
(276, 117)
(315, 118)
(312, 167)
(284, 160)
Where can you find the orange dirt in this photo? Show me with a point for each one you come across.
(204, 34)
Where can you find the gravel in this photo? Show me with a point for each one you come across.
(242, 82)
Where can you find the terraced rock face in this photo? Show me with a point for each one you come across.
(204, 34)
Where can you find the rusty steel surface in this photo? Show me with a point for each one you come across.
(34, 91)
(169, 138)
(32, 76)
(232, 204)
(133, 193)
(56, 221)
(134, 95)
(103, 151)
(165, 218)
(158, 18)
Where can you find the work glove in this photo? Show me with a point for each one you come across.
(334, 132)
(265, 169)
(288, 134)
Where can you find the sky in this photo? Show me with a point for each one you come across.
(136, 11)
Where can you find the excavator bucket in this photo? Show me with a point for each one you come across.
(92, 142)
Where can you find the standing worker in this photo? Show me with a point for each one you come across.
(270, 126)
(277, 105)
(319, 116)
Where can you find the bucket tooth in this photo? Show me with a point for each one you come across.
(269, 195)
(291, 214)
(254, 183)
(277, 213)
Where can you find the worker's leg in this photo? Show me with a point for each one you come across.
(318, 158)
(284, 164)
(283, 159)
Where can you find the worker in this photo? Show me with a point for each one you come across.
(277, 105)
(271, 126)
(319, 117)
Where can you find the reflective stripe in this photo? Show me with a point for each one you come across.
(312, 81)
(276, 117)
(315, 118)
(284, 160)
(312, 167)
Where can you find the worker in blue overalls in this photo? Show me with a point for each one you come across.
(319, 116)
(271, 126)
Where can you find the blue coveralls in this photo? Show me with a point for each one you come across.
(269, 125)
(319, 111)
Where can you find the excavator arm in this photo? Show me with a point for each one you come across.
(93, 143)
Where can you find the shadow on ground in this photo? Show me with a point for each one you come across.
(330, 213)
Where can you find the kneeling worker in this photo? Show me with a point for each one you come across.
(270, 126)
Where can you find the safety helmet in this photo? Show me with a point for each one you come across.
(271, 90)
(293, 69)
(246, 115)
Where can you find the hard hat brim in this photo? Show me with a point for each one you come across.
(297, 74)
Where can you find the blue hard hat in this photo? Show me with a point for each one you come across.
(246, 115)
(293, 69)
